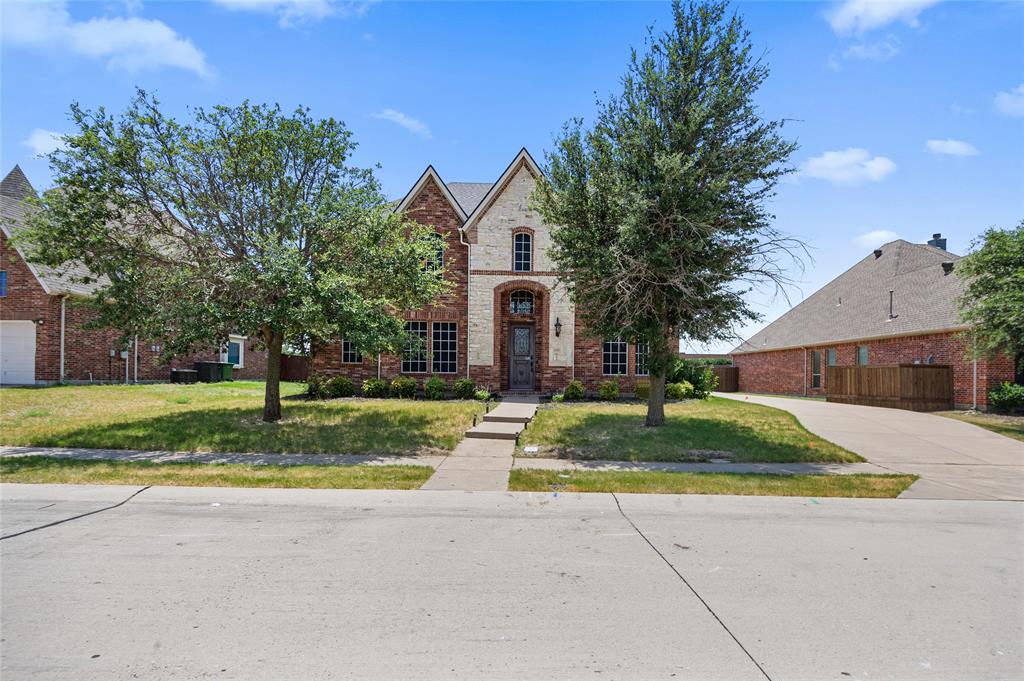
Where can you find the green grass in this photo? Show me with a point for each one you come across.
(1010, 426)
(43, 469)
(694, 431)
(225, 417)
(749, 484)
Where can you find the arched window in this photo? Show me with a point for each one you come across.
(521, 302)
(522, 252)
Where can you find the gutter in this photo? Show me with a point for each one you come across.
(839, 341)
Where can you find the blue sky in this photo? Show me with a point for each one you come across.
(909, 115)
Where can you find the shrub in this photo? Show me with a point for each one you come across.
(699, 376)
(642, 390)
(339, 386)
(558, 398)
(464, 388)
(1007, 397)
(482, 395)
(315, 387)
(608, 390)
(679, 391)
(434, 387)
(403, 387)
(574, 392)
(375, 387)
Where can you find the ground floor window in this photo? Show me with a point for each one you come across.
(862, 355)
(234, 351)
(414, 357)
(815, 369)
(641, 359)
(614, 357)
(445, 346)
(832, 357)
(350, 353)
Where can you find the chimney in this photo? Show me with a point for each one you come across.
(937, 241)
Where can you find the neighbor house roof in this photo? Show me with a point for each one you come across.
(855, 305)
(14, 211)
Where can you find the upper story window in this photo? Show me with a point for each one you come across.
(521, 302)
(522, 252)
(436, 262)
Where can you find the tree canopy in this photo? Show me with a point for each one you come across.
(660, 206)
(993, 302)
(243, 220)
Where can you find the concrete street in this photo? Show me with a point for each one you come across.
(191, 583)
(955, 460)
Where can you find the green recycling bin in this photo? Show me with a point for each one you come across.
(227, 371)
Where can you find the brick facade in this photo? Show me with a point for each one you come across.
(87, 351)
(785, 371)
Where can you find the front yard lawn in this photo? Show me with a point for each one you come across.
(225, 417)
(746, 484)
(1010, 426)
(44, 469)
(694, 431)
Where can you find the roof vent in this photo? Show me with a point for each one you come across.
(878, 252)
(947, 267)
(937, 241)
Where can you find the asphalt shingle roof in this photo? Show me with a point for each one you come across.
(855, 305)
(469, 194)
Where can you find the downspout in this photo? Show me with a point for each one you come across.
(974, 370)
(805, 369)
(469, 268)
(63, 300)
(135, 375)
(378, 365)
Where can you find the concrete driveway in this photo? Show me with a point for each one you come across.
(955, 460)
(188, 583)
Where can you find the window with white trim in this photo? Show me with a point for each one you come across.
(444, 348)
(613, 357)
(350, 353)
(642, 349)
(522, 252)
(414, 358)
(521, 302)
(234, 351)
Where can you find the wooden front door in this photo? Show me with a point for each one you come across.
(520, 357)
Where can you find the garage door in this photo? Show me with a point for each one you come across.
(17, 353)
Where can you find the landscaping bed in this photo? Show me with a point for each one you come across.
(226, 417)
(695, 430)
(43, 469)
(745, 484)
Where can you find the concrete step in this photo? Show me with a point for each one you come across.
(495, 430)
(499, 418)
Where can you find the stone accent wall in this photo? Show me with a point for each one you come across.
(508, 212)
(782, 371)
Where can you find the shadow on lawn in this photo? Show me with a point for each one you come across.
(624, 437)
(305, 428)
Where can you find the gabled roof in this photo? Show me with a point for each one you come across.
(14, 213)
(855, 305)
(428, 175)
(469, 194)
(523, 158)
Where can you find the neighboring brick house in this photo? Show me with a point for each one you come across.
(898, 305)
(42, 320)
(507, 324)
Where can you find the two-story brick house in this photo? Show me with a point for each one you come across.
(508, 324)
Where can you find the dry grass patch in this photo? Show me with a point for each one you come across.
(1010, 426)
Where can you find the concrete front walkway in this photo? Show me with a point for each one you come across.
(955, 460)
(679, 467)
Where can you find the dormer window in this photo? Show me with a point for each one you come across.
(522, 252)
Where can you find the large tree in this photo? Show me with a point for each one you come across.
(243, 220)
(660, 206)
(993, 302)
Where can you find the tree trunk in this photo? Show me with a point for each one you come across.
(272, 397)
(656, 400)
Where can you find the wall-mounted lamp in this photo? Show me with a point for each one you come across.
(39, 321)
(558, 327)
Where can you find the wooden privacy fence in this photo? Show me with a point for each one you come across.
(728, 378)
(294, 368)
(917, 387)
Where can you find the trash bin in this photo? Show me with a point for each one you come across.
(227, 371)
(209, 372)
(184, 375)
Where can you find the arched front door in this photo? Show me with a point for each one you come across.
(521, 357)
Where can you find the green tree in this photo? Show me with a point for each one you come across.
(243, 220)
(993, 301)
(660, 206)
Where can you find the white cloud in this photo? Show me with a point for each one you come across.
(849, 166)
(880, 51)
(291, 13)
(408, 122)
(859, 16)
(1011, 103)
(952, 147)
(42, 142)
(875, 239)
(125, 43)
